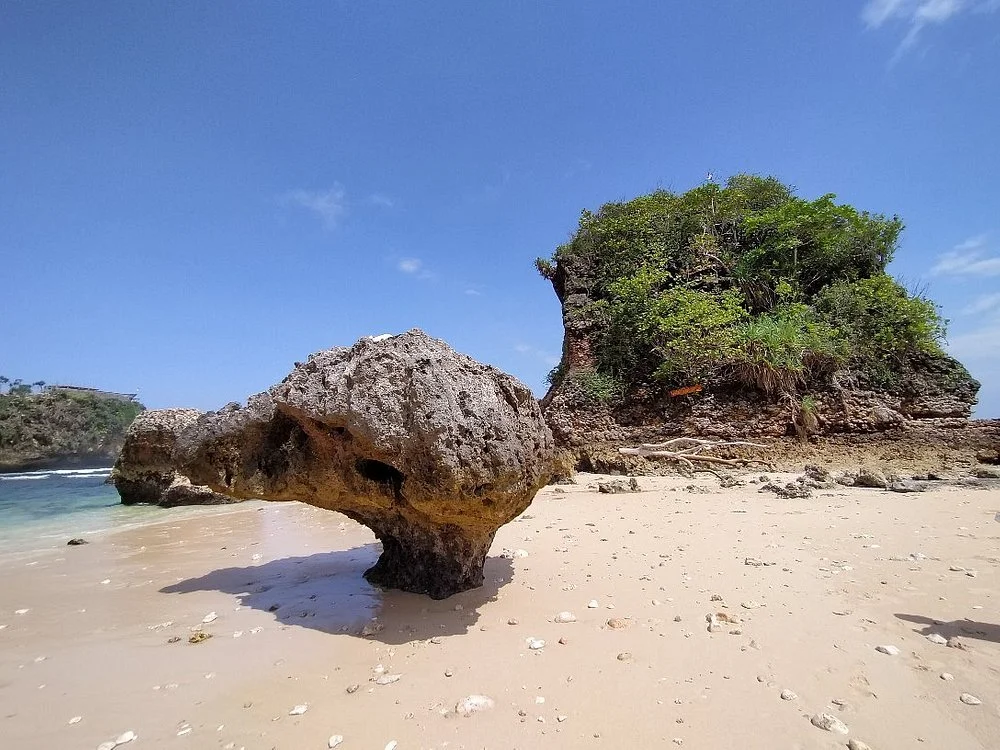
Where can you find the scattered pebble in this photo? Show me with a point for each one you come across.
(199, 637)
(617, 623)
(351, 689)
(853, 744)
(564, 617)
(830, 723)
(937, 638)
(512, 621)
(535, 644)
(625, 656)
(788, 695)
(335, 740)
(392, 745)
(298, 710)
(947, 676)
(969, 699)
(889, 650)
(76, 720)
(210, 617)
(21, 611)
(473, 704)
(387, 679)
(592, 604)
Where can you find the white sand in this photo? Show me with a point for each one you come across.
(842, 582)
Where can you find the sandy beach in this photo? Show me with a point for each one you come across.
(807, 589)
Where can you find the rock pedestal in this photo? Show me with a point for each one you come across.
(430, 449)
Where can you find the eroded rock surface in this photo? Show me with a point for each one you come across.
(146, 470)
(430, 449)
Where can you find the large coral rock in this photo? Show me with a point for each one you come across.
(146, 470)
(430, 449)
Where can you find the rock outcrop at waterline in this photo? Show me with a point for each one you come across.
(430, 449)
(146, 469)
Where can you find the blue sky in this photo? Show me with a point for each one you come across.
(196, 195)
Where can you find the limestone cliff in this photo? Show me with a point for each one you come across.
(61, 429)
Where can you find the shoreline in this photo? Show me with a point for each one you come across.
(294, 623)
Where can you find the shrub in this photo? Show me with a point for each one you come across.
(883, 324)
(779, 351)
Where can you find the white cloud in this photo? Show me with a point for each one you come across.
(472, 292)
(969, 258)
(983, 303)
(409, 265)
(329, 205)
(414, 267)
(916, 15)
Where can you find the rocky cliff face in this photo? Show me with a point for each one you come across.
(934, 394)
(60, 430)
(147, 468)
(430, 449)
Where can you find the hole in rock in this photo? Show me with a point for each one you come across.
(381, 473)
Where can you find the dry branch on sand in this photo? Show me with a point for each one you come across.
(687, 451)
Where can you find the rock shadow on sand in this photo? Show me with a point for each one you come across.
(327, 591)
(983, 631)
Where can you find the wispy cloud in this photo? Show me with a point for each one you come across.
(414, 267)
(984, 303)
(380, 199)
(540, 354)
(969, 258)
(329, 205)
(409, 265)
(917, 15)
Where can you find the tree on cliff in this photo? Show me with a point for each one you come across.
(742, 285)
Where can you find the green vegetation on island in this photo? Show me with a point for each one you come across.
(61, 426)
(743, 285)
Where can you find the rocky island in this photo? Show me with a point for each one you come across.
(744, 311)
(62, 426)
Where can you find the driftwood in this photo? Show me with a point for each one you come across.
(687, 451)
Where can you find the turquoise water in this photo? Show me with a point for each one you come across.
(44, 509)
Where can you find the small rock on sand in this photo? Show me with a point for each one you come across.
(335, 740)
(76, 720)
(889, 650)
(473, 704)
(969, 699)
(947, 676)
(592, 604)
(564, 617)
(788, 695)
(535, 644)
(617, 623)
(210, 617)
(298, 710)
(853, 744)
(625, 656)
(76, 542)
(830, 723)
(937, 638)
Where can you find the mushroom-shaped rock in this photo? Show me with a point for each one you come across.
(146, 470)
(430, 449)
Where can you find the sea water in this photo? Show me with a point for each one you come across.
(45, 509)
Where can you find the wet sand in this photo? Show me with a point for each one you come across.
(295, 624)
